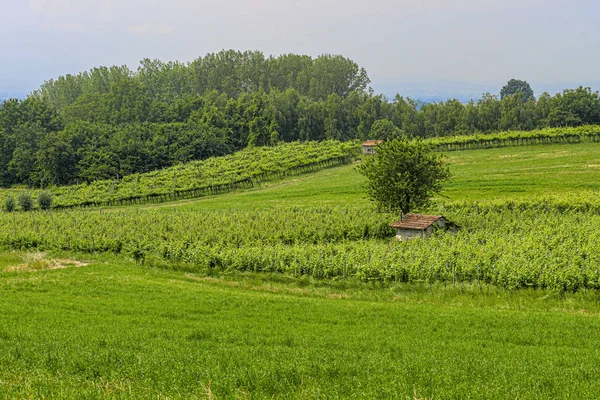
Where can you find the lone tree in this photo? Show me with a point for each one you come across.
(403, 174)
(515, 86)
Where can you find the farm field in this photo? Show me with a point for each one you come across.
(296, 290)
(112, 329)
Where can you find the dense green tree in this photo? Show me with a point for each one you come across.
(334, 117)
(406, 116)
(489, 113)
(384, 129)
(369, 109)
(543, 108)
(517, 113)
(27, 141)
(575, 107)
(439, 119)
(470, 118)
(311, 120)
(334, 74)
(55, 161)
(403, 175)
(515, 86)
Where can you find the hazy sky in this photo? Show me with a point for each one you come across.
(543, 41)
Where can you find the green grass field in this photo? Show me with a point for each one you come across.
(515, 172)
(99, 326)
(115, 330)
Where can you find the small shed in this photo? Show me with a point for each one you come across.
(412, 226)
(369, 146)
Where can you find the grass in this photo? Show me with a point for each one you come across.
(515, 172)
(332, 186)
(115, 330)
(503, 173)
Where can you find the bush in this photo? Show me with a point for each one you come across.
(9, 204)
(25, 201)
(44, 200)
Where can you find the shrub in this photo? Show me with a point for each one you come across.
(9, 204)
(25, 201)
(44, 200)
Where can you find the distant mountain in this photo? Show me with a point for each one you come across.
(436, 91)
(554, 88)
(429, 92)
(12, 95)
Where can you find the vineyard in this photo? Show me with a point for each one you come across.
(217, 175)
(552, 237)
(586, 133)
(550, 247)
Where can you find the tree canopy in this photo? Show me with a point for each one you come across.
(403, 175)
(515, 86)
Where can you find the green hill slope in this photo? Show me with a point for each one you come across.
(505, 174)
(308, 296)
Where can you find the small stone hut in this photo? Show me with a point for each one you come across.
(411, 226)
(369, 146)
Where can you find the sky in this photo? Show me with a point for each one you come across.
(411, 45)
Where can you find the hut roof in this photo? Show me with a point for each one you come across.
(416, 221)
(371, 143)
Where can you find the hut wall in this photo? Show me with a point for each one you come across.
(411, 233)
(368, 150)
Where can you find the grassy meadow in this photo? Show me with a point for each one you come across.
(98, 325)
(111, 329)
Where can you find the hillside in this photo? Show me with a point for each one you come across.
(256, 165)
(501, 174)
(216, 175)
(322, 226)
(296, 290)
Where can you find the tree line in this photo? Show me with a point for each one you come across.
(111, 121)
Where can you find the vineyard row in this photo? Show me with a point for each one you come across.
(510, 247)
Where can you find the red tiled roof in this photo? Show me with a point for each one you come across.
(416, 221)
(371, 143)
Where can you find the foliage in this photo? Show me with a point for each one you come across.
(384, 129)
(197, 179)
(44, 200)
(9, 203)
(553, 238)
(515, 86)
(403, 175)
(25, 201)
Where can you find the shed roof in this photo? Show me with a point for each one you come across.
(416, 221)
(371, 143)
